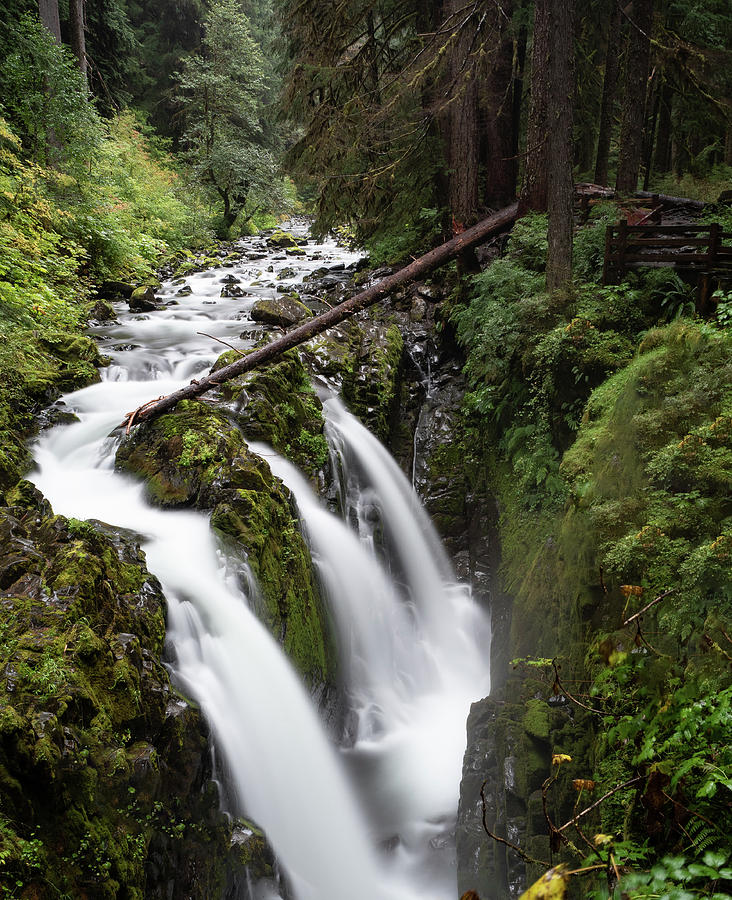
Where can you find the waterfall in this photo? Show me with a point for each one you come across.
(370, 822)
(415, 651)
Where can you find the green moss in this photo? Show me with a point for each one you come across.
(536, 719)
(196, 456)
(91, 761)
(277, 405)
(372, 381)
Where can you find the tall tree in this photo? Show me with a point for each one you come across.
(637, 55)
(221, 92)
(464, 136)
(559, 121)
(535, 180)
(78, 37)
(609, 87)
(48, 14)
(496, 116)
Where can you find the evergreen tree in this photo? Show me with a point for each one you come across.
(221, 91)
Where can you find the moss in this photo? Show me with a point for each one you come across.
(181, 454)
(371, 384)
(35, 367)
(85, 723)
(196, 456)
(278, 405)
(536, 719)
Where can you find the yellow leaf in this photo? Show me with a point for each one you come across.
(631, 590)
(559, 758)
(602, 840)
(551, 886)
(583, 784)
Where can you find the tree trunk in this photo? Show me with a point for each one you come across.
(649, 133)
(535, 180)
(609, 86)
(229, 213)
(662, 157)
(463, 135)
(48, 14)
(496, 113)
(78, 39)
(479, 233)
(559, 120)
(728, 145)
(518, 92)
(634, 96)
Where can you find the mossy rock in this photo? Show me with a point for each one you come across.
(282, 239)
(367, 361)
(277, 404)
(280, 311)
(196, 457)
(101, 762)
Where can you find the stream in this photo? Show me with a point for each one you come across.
(373, 819)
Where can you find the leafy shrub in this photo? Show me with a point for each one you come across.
(46, 100)
(402, 239)
(589, 242)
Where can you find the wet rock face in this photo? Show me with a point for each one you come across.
(104, 768)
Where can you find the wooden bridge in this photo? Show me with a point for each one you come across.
(703, 250)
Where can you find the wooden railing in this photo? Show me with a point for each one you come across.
(702, 249)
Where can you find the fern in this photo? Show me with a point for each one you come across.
(704, 835)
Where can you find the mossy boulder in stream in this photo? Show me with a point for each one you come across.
(105, 781)
(196, 456)
(277, 404)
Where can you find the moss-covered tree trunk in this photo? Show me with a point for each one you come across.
(535, 182)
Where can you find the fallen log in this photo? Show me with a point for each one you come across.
(666, 200)
(494, 224)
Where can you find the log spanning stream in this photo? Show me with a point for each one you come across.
(370, 821)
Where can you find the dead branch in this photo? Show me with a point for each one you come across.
(558, 686)
(525, 856)
(649, 605)
(604, 797)
(225, 343)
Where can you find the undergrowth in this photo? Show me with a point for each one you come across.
(606, 414)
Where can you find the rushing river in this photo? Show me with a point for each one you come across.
(373, 820)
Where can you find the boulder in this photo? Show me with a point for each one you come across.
(281, 239)
(102, 311)
(282, 311)
(143, 299)
(115, 290)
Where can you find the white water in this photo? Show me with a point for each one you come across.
(416, 654)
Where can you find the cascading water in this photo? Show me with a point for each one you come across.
(416, 651)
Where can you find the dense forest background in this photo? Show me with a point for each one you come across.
(138, 132)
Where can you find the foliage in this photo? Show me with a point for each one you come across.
(402, 239)
(45, 98)
(609, 442)
(221, 91)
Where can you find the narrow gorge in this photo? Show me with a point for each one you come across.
(348, 754)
